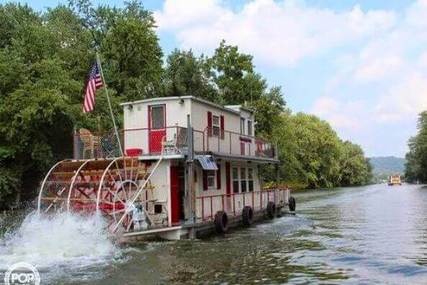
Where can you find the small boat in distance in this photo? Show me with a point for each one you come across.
(394, 180)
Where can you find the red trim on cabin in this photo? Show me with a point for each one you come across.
(133, 151)
(205, 180)
(209, 123)
(218, 176)
(156, 135)
(175, 195)
(245, 139)
(222, 126)
(227, 178)
(149, 118)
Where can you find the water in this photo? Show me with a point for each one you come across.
(57, 243)
(366, 235)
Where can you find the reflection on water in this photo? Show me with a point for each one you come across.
(366, 235)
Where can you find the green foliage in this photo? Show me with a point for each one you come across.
(186, 74)
(231, 71)
(267, 111)
(416, 158)
(355, 169)
(312, 154)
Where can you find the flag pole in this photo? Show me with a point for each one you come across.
(98, 61)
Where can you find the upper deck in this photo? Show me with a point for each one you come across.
(179, 123)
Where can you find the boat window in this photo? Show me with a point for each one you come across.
(215, 125)
(250, 128)
(243, 179)
(157, 117)
(250, 179)
(211, 177)
(242, 126)
(235, 180)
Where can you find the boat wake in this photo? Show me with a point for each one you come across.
(59, 240)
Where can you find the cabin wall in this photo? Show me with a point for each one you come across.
(203, 142)
(160, 181)
(135, 127)
(137, 118)
(213, 200)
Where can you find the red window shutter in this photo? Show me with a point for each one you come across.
(205, 180)
(210, 124)
(149, 117)
(218, 176)
(222, 126)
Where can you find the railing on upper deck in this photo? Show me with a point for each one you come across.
(175, 138)
(234, 143)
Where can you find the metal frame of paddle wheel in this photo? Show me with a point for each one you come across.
(111, 187)
(119, 190)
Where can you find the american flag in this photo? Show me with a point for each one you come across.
(94, 83)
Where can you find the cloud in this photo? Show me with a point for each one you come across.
(378, 67)
(342, 115)
(403, 100)
(279, 33)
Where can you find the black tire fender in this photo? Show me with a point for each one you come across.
(221, 222)
(292, 204)
(247, 216)
(271, 210)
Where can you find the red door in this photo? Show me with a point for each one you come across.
(175, 195)
(156, 127)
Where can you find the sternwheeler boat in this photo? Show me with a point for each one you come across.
(189, 167)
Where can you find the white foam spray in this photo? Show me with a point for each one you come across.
(61, 239)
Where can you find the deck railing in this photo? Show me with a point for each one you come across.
(149, 141)
(234, 143)
(233, 204)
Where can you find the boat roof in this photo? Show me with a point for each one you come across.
(227, 108)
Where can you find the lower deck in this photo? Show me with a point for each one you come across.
(227, 186)
(199, 229)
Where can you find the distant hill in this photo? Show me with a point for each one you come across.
(385, 165)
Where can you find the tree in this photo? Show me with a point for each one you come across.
(268, 109)
(416, 165)
(314, 156)
(127, 41)
(231, 71)
(354, 168)
(186, 74)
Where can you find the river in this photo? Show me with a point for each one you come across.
(366, 235)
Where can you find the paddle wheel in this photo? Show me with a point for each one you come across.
(113, 187)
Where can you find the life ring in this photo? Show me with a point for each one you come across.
(271, 210)
(221, 222)
(247, 216)
(292, 204)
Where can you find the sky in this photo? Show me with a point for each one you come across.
(360, 65)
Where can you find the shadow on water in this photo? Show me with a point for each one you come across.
(367, 235)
